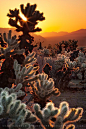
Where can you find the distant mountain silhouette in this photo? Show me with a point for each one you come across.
(37, 38)
(53, 34)
(6, 30)
(79, 35)
(54, 37)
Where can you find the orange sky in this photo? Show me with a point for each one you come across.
(61, 15)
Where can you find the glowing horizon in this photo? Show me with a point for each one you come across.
(59, 15)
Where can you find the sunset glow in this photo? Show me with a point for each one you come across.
(23, 17)
(60, 15)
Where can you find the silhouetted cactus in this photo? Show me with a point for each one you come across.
(40, 46)
(27, 26)
(2, 43)
(66, 45)
(73, 44)
(47, 68)
(74, 55)
(49, 46)
(59, 46)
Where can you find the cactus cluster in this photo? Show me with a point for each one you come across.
(24, 73)
(12, 46)
(79, 72)
(44, 87)
(15, 89)
(46, 52)
(18, 73)
(64, 115)
(16, 111)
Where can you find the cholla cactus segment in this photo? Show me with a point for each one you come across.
(29, 59)
(71, 64)
(45, 51)
(18, 51)
(16, 111)
(12, 45)
(80, 59)
(17, 90)
(58, 64)
(13, 13)
(60, 61)
(44, 87)
(41, 61)
(10, 41)
(43, 76)
(64, 108)
(81, 54)
(83, 65)
(50, 61)
(22, 72)
(64, 115)
(30, 11)
(78, 72)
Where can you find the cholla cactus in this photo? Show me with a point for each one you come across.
(26, 72)
(44, 88)
(23, 73)
(59, 62)
(50, 61)
(63, 75)
(2, 43)
(17, 90)
(81, 54)
(83, 66)
(8, 55)
(26, 26)
(10, 41)
(12, 47)
(71, 64)
(81, 58)
(64, 115)
(46, 52)
(16, 111)
(79, 74)
(30, 59)
(41, 61)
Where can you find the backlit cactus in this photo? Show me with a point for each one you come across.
(15, 89)
(16, 111)
(46, 52)
(26, 26)
(12, 46)
(64, 115)
(43, 88)
(26, 72)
